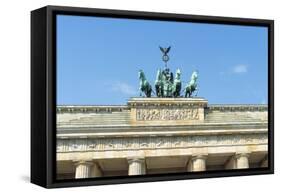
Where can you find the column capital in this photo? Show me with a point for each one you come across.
(82, 169)
(242, 160)
(137, 165)
(199, 156)
(82, 162)
(136, 159)
(197, 162)
(243, 154)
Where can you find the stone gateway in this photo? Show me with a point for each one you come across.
(159, 135)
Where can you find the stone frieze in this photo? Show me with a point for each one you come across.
(139, 143)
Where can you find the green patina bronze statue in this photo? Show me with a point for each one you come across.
(177, 84)
(165, 84)
(145, 87)
(192, 85)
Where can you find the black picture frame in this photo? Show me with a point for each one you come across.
(43, 95)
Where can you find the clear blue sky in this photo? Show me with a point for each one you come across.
(98, 59)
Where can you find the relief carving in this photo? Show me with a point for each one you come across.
(144, 143)
(167, 114)
(160, 142)
(92, 145)
(137, 143)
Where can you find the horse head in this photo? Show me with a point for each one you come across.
(192, 85)
(194, 75)
(141, 75)
(178, 74)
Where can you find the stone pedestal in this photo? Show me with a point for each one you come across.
(83, 169)
(136, 166)
(165, 111)
(197, 163)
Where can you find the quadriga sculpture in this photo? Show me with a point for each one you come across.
(166, 85)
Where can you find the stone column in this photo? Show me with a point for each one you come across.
(83, 169)
(96, 170)
(238, 161)
(242, 160)
(264, 162)
(231, 163)
(136, 166)
(197, 163)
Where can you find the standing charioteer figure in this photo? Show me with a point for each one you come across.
(165, 84)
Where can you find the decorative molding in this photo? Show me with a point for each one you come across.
(91, 109)
(108, 109)
(166, 102)
(238, 107)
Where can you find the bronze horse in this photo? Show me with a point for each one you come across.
(145, 87)
(192, 85)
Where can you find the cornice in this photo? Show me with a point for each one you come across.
(121, 108)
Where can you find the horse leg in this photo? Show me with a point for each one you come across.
(147, 94)
(150, 91)
(158, 91)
